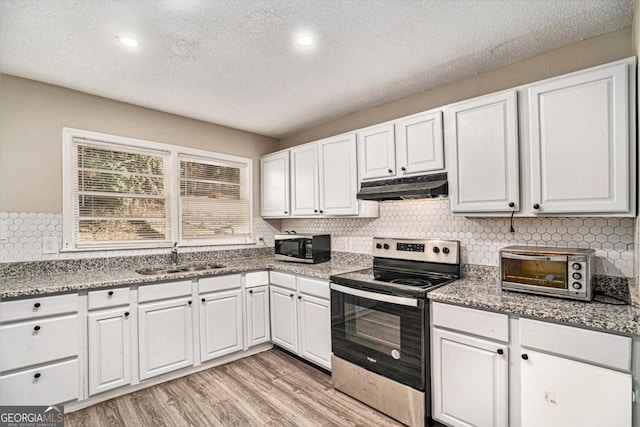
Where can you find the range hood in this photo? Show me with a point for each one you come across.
(416, 187)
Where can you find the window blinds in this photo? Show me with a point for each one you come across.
(214, 203)
(120, 194)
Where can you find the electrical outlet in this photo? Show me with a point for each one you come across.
(49, 245)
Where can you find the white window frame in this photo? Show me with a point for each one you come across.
(173, 197)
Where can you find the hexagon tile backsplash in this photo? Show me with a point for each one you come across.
(480, 238)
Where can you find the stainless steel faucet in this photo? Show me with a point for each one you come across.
(174, 254)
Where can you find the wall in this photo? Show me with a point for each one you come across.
(32, 115)
(612, 238)
(588, 53)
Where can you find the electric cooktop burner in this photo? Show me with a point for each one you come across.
(411, 282)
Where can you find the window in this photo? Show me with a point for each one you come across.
(126, 193)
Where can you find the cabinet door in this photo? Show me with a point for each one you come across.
(109, 350)
(338, 175)
(258, 328)
(274, 183)
(420, 143)
(165, 331)
(315, 330)
(469, 380)
(579, 132)
(377, 152)
(482, 145)
(284, 319)
(220, 324)
(304, 180)
(558, 392)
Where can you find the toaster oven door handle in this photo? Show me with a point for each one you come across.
(561, 258)
(392, 299)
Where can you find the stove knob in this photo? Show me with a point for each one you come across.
(378, 246)
(386, 246)
(445, 250)
(436, 250)
(576, 285)
(577, 276)
(576, 266)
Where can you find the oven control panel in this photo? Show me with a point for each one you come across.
(444, 251)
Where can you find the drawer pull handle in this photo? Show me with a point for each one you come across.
(110, 293)
(37, 375)
(525, 356)
(36, 305)
(126, 313)
(36, 328)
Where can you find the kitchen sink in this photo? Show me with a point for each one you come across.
(178, 269)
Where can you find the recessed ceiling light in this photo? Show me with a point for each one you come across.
(305, 40)
(129, 42)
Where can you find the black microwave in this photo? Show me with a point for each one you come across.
(311, 249)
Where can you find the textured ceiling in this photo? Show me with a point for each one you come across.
(234, 62)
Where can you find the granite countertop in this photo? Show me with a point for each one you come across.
(485, 293)
(33, 285)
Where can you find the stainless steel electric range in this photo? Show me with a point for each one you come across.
(380, 325)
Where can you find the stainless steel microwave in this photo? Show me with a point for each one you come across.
(559, 272)
(310, 248)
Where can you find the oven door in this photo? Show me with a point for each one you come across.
(382, 333)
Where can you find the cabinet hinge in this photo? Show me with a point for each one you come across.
(634, 395)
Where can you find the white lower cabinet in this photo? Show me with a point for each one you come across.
(165, 331)
(40, 350)
(109, 349)
(558, 375)
(469, 380)
(258, 330)
(301, 316)
(284, 318)
(220, 323)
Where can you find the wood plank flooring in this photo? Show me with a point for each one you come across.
(268, 389)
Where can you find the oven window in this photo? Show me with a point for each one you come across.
(375, 329)
(548, 274)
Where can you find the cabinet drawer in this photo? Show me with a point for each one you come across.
(164, 291)
(46, 385)
(256, 278)
(613, 351)
(38, 307)
(282, 279)
(109, 298)
(38, 341)
(314, 287)
(219, 283)
(477, 322)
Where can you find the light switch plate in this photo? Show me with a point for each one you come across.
(49, 245)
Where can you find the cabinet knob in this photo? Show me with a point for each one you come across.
(286, 212)
(37, 375)
(525, 356)
(126, 314)
(250, 291)
(315, 210)
(36, 328)
(536, 206)
(291, 295)
(110, 293)
(203, 300)
(190, 302)
(36, 305)
(511, 204)
(403, 169)
(390, 170)
(299, 297)
(321, 211)
(500, 351)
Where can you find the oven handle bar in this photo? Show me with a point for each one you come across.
(562, 258)
(409, 302)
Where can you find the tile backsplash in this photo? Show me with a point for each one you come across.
(480, 238)
(25, 232)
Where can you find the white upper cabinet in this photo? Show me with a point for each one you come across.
(338, 175)
(377, 152)
(304, 180)
(420, 145)
(579, 142)
(274, 180)
(482, 142)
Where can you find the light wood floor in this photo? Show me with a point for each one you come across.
(268, 389)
